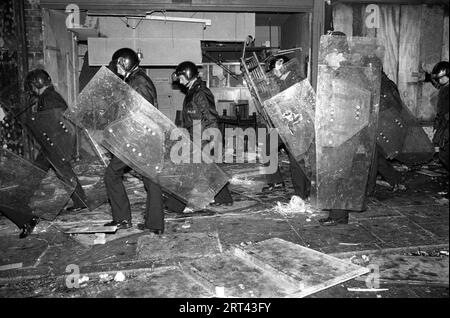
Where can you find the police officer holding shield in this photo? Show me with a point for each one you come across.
(126, 62)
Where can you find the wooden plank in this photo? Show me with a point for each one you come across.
(445, 37)
(389, 35)
(409, 54)
(90, 229)
(342, 18)
(143, 6)
(10, 266)
(430, 54)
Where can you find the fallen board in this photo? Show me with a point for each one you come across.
(90, 229)
(419, 269)
(313, 270)
(178, 246)
(236, 278)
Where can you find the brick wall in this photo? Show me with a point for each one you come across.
(34, 33)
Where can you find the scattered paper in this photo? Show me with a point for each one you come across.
(296, 205)
(238, 181)
(120, 277)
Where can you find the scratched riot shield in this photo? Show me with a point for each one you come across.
(140, 135)
(93, 110)
(348, 94)
(292, 112)
(71, 153)
(399, 134)
(24, 187)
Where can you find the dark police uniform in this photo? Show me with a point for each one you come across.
(51, 99)
(199, 104)
(120, 204)
(441, 125)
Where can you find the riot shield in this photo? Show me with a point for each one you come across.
(140, 136)
(292, 112)
(25, 187)
(399, 134)
(391, 132)
(348, 94)
(71, 153)
(265, 85)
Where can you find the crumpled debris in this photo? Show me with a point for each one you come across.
(188, 210)
(362, 260)
(384, 184)
(434, 253)
(296, 205)
(401, 168)
(186, 225)
(105, 278)
(238, 181)
(120, 277)
(82, 280)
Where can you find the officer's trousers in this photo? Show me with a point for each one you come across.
(118, 198)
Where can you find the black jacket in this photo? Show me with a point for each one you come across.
(199, 105)
(50, 99)
(441, 123)
(143, 85)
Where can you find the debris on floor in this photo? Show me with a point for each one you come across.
(367, 289)
(10, 266)
(296, 205)
(429, 173)
(384, 184)
(120, 277)
(241, 181)
(401, 168)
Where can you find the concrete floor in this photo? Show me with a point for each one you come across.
(406, 233)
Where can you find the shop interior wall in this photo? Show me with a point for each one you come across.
(415, 39)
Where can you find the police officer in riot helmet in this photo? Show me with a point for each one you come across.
(198, 108)
(127, 63)
(440, 79)
(40, 84)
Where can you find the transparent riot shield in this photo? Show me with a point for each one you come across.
(140, 136)
(25, 187)
(71, 153)
(265, 85)
(292, 112)
(348, 94)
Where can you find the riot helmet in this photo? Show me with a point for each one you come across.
(438, 74)
(277, 60)
(37, 79)
(127, 61)
(188, 69)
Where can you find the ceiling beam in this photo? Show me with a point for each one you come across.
(133, 6)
